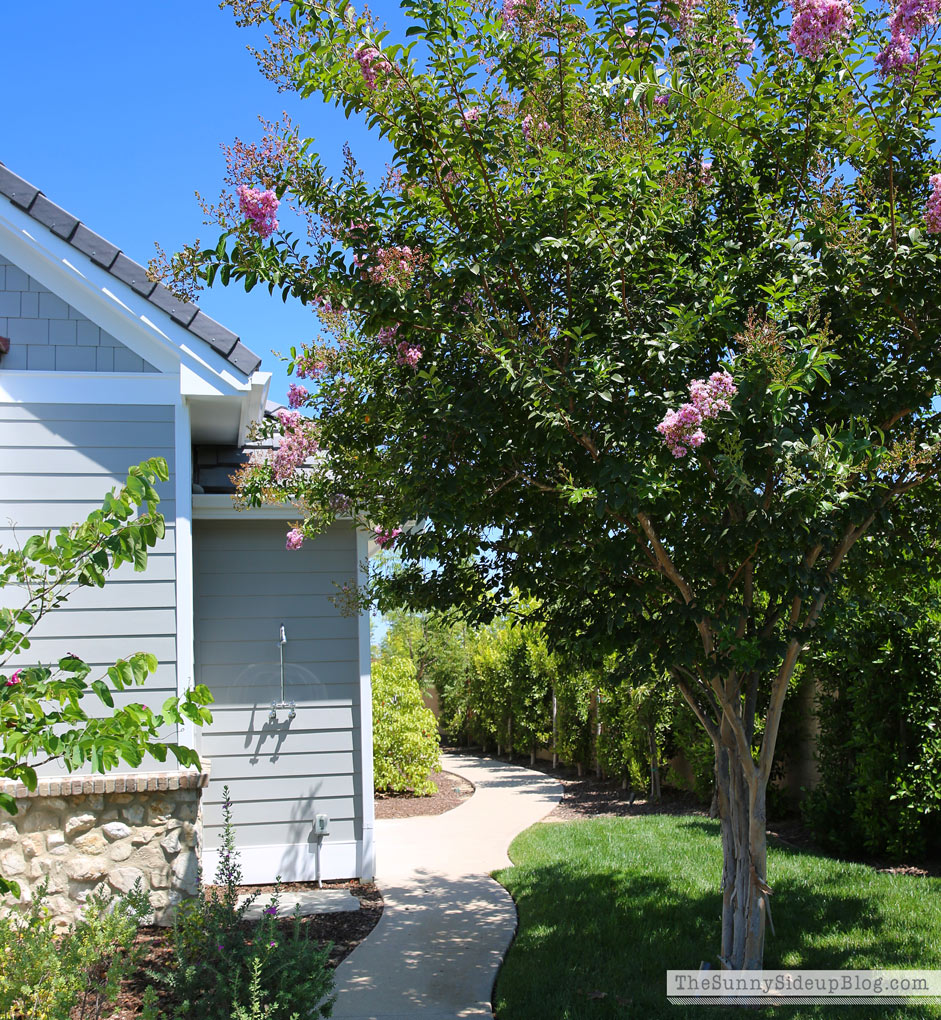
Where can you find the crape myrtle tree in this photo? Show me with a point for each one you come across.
(641, 323)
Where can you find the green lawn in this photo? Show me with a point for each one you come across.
(610, 905)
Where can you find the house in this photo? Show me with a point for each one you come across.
(99, 369)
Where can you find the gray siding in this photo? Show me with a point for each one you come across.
(56, 463)
(46, 334)
(280, 775)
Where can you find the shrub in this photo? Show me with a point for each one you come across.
(406, 746)
(687, 738)
(216, 962)
(635, 723)
(45, 976)
(879, 747)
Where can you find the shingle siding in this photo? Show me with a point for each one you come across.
(48, 335)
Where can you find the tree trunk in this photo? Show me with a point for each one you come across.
(596, 730)
(742, 816)
(654, 764)
(555, 730)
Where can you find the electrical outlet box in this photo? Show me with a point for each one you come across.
(322, 825)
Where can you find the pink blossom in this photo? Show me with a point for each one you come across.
(912, 16)
(387, 538)
(706, 177)
(897, 57)
(15, 679)
(296, 444)
(371, 61)
(340, 503)
(472, 114)
(408, 354)
(289, 419)
(681, 429)
(661, 99)
(933, 209)
(297, 395)
(309, 366)
(909, 19)
(294, 540)
(817, 25)
(684, 21)
(531, 128)
(387, 334)
(394, 266)
(512, 10)
(260, 208)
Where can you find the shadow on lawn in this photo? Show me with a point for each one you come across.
(597, 944)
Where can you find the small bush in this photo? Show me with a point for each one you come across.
(217, 964)
(406, 746)
(46, 976)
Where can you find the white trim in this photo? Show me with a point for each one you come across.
(213, 506)
(365, 717)
(185, 649)
(254, 408)
(294, 862)
(26, 386)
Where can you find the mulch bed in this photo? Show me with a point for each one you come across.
(452, 792)
(587, 796)
(345, 930)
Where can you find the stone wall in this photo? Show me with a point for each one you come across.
(85, 834)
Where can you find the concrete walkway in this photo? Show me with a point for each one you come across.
(446, 924)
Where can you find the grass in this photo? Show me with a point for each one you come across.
(609, 905)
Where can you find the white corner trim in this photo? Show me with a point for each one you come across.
(185, 648)
(216, 506)
(29, 386)
(365, 716)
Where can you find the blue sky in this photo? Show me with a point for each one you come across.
(116, 109)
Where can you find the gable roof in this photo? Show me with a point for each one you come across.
(103, 253)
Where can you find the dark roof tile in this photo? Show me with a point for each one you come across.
(244, 360)
(123, 268)
(100, 251)
(52, 216)
(18, 191)
(214, 333)
(132, 274)
(180, 311)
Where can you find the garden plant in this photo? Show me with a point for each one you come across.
(406, 745)
(641, 323)
(223, 965)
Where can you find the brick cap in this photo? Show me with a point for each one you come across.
(113, 782)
